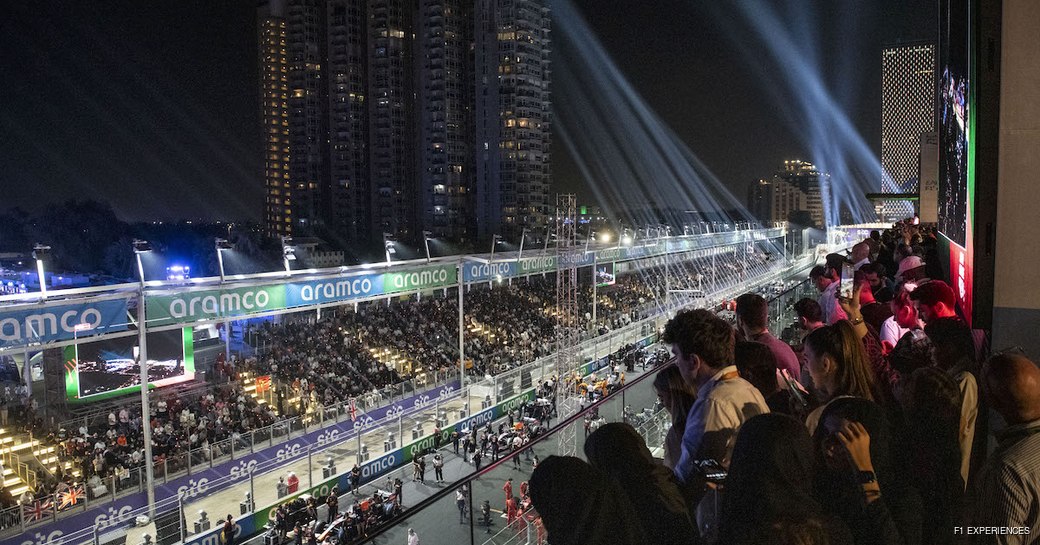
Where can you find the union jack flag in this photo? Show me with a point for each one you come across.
(38, 510)
(353, 410)
(71, 497)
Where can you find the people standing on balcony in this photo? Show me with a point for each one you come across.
(677, 397)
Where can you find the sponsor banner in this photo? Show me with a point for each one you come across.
(478, 420)
(217, 304)
(191, 306)
(110, 515)
(50, 323)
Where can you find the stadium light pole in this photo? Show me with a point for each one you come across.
(494, 243)
(221, 245)
(523, 235)
(288, 254)
(39, 253)
(426, 235)
(388, 246)
(141, 247)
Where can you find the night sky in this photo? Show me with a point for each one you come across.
(152, 106)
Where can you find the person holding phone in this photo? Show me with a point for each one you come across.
(857, 479)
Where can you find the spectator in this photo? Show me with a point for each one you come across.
(619, 452)
(770, 482)
(911, 271)
(874, 312)
(677, 398)
(756, 364)
(1009, 484)
(753, 321)
(858, 481)
(880, 284)
(953, 351)
(578, 506)
(860, 256)
(827, 281)
(838, 366)
(810, 314)
(703, 346)
(931, 403)
(934, 299)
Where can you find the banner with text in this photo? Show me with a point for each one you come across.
(25, 326)
(218, 304)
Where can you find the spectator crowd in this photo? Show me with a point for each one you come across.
(887, 423)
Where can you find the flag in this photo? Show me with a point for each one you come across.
(70, 497)
(38, 510)
(353, 410)
(263, 384)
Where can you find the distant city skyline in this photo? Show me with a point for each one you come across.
(161, 120)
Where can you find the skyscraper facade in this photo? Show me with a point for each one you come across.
(348, 119)
(308, 115)
(512, 45)
(446, 164)
(392, 146)
(394, 116)
(274, 117)
(908, 91)
(796, 187)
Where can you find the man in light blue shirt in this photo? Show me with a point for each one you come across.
(703, 347)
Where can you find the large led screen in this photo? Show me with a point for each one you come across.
(956, 110)
(104, 369)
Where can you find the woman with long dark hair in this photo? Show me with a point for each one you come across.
(932, 407)
(858, 479)
(619, 452)
(770, 484)
(677, 397)
(837, 364)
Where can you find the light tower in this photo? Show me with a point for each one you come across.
(568, 325)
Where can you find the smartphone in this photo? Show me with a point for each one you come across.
(847, 281)
(712, 470)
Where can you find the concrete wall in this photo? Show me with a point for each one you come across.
(1016, 304)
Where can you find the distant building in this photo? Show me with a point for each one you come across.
(274, 117)
(796, 186)
(385, 116)
(446, 110)
(513, 119)
(908, 98)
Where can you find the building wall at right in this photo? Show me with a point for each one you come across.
(1016, 301)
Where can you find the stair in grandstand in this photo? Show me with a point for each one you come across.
(17, 476)
(257, 387)
(47, 456)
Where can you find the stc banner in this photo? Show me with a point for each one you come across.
(50, 323)
(109, 516)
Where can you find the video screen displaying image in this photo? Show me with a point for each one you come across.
(107, 368)
(954, 119)
(605, 274)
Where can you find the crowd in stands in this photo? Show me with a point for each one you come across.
(862, 433)
(316, 363)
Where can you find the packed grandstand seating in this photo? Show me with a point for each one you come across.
(365, 354)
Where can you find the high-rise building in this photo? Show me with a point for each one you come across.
(392, 147)
(348, 119)
(395, 116)
(796, 187)
(308, 115)
(446, 163)
(274, 117)
(908, 94)
(512, 121)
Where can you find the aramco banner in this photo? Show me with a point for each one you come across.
(236, 302)
(40, 324)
